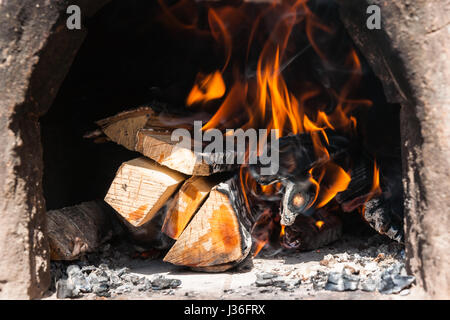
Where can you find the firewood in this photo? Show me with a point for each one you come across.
(361, 181)
(218, 237)
(297, 156)
(80, 229)
(141, 187)
(159, 146)
(123, 127)
(185, 204)
(378, 212)
(142, 130)
(313, 232)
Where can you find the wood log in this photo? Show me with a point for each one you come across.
(159, 146)
(143, 131)
(80, 229)
(185, 204)
(123, 127)
(313, 232)
(217, 238)
(379, 213)
(141, 187)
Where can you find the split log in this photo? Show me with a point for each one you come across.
(123, 127)
(218, 237)
(141, 187)
(159, 146)
(143, 131)
(80, 229)
(185, 204)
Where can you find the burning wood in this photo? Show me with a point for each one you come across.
(323, 161)
(310, 233)
(378, 213)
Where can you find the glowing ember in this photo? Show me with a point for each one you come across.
(298, 200)
(319, 224)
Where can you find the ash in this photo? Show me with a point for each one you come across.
(351, 268)
(375, 265)
(105, 274)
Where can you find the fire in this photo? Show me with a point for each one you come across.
(259, 246)
(266, 101)
(376, 189)
(333, 180)
(207, 88)
(319, 224)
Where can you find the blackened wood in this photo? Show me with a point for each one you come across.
(361, 180)
(378, 213)
(297, 156)
(308, 233)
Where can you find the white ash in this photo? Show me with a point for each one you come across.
(104, 275)
(105, 282)
(378, 267)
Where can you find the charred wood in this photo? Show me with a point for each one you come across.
(313, 232)
(379, 213)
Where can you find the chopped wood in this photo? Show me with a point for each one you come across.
(142, 130)
(217, 238)
(159, 146)
(123, 127)
(141, 187)
(185, 204)
(80, 229)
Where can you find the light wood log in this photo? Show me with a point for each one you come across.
(217, 238)
(144, 131)
(141, 187)
(159, 146)
(185, 204)
(123, 127)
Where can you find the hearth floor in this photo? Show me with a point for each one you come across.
(299, 275)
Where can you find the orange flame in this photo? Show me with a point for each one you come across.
(267, 102)
(259, 246)
(319, 224)
(207, 88)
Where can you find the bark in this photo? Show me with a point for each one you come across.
(74, 231)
